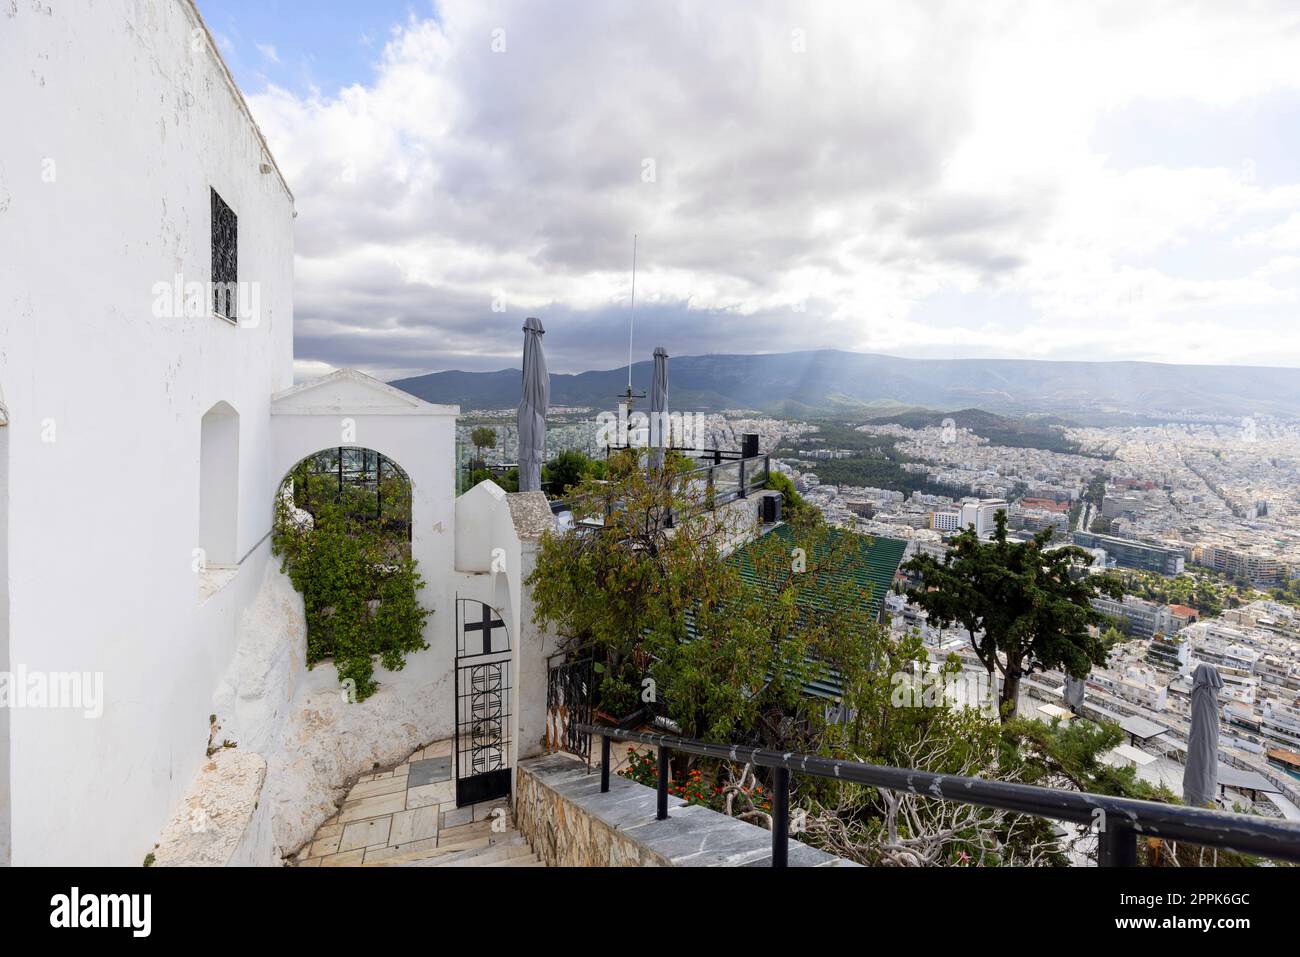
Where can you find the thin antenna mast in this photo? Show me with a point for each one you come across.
(625, 405)
(632, 318)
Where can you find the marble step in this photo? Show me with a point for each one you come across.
(505, 847)
(487, 857)
(443, 850)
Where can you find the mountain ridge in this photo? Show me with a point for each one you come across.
(865, 384)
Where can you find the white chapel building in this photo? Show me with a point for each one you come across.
(152, 652)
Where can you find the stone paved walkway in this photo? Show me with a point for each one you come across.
(408, 816)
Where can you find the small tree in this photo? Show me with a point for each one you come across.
(727, 649)
(567, 469)
(1022, 604)
(483, 437)
(793, 505)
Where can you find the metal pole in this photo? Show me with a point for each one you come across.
(781, 818)
(631, 321)
(604, 763)
(661, 812)
(1117, 847)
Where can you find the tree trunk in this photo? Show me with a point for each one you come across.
(1010, 690)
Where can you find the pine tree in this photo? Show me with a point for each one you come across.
(1024, 605)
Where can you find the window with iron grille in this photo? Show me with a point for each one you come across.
(225, 258)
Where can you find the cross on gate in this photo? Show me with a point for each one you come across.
(486, 626)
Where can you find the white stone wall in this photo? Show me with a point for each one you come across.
(4, 630)
(119, 120)
(421, 439)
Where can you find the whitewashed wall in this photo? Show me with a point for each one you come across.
(419, 437)
(118, 120)
(488, 520)
(4, 630)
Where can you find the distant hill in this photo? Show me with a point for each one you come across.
(1044, 432)
(865, 385)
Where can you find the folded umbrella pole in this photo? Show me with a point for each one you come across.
(659, 408)
(532, 408)
(1201, 773)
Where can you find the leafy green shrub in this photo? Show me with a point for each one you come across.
(359, 586)
(617, 696)
(569, 468)
(793, 505)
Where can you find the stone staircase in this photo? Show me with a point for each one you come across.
(505, 850)
(407, 816)
(470, 845)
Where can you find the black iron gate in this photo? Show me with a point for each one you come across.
(569, 687)
(482, 704)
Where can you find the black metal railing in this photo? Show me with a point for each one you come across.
(569, 686)
(726, 481)
(1119, 821)
(716, 484)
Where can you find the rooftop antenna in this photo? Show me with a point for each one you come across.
(631, 322)
(629, 395)
(632, 319)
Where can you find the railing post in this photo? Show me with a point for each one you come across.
(742, 479)
(604, 763)
(781, 818)
(1117, 846)
(661, 810)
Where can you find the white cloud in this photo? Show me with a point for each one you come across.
(907, 156)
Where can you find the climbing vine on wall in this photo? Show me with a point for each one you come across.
(358, 582)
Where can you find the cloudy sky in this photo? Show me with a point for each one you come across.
(1036, 180)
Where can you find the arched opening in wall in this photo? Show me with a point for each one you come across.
(6, 847)
(342, 527)
(219, 486)
(364, 486)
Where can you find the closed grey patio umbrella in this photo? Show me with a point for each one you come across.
(1201, 774)
(658, 406)
(1074, 688)
(532, 408)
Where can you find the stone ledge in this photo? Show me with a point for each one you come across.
(210, 827)
(568, 822)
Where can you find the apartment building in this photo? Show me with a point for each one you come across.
(1281, 722)
(1129, 553)
(1235, 563)
(1140, 618)
(982, 514)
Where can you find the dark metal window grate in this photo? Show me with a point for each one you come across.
(225, 258)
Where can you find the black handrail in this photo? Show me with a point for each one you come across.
(1120, 821)
(746, 482)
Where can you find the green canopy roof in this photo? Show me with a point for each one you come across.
(873, 570)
